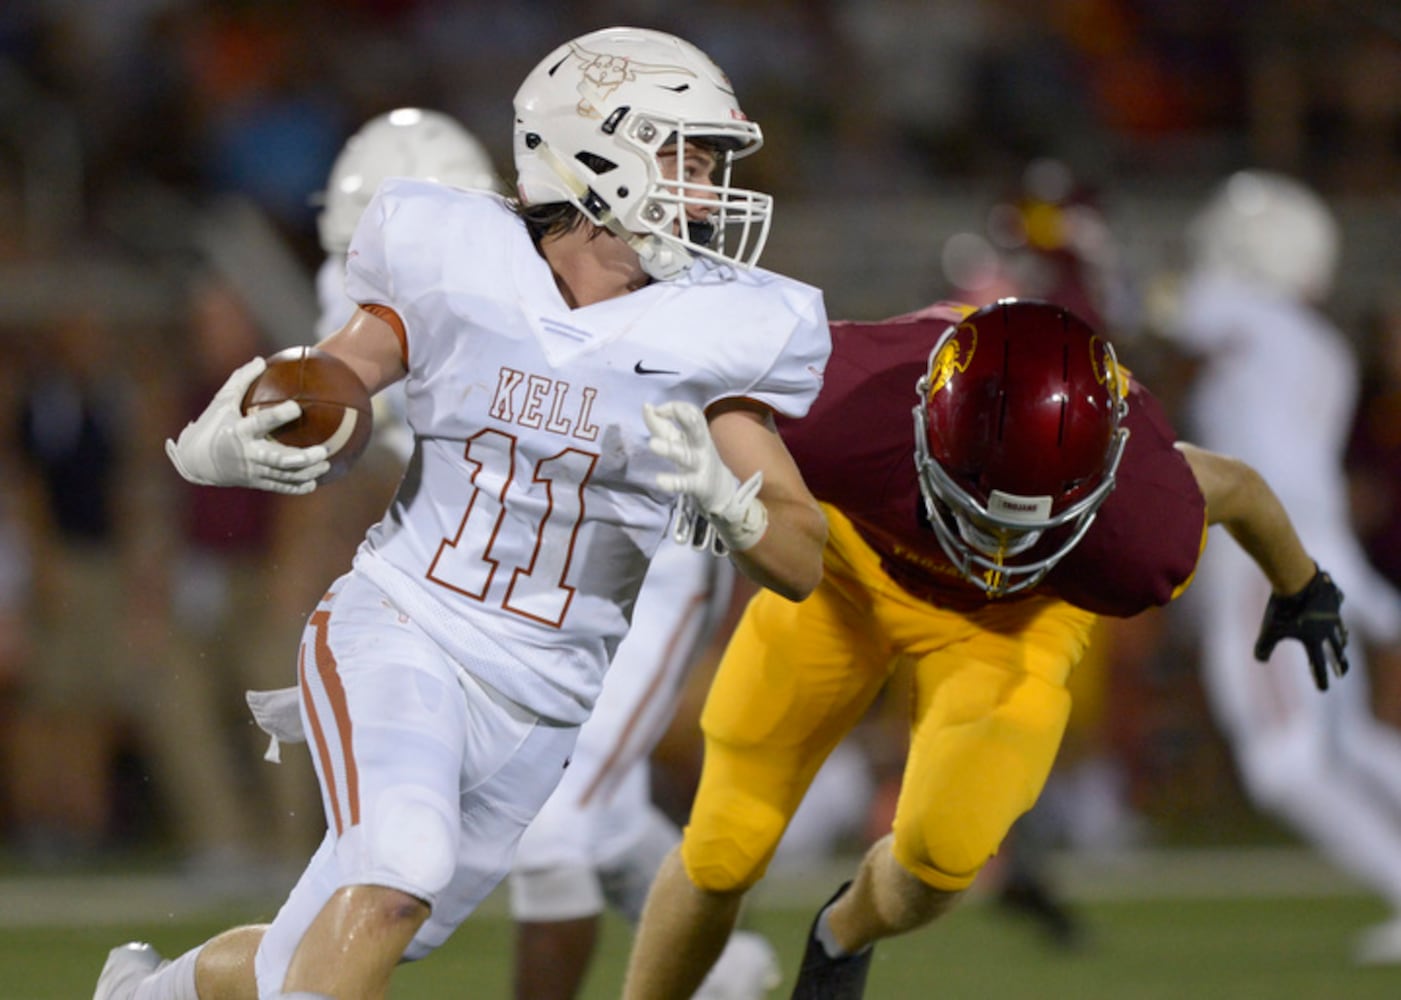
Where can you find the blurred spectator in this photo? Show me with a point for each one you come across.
(886, 97)
(1324, 95)
(1374, 474)
(16, 581)
(901, 93)
(226, 635)
(269, 126)
(1374, 449)
(1276, 388)
(75, 426)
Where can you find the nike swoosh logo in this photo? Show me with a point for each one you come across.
(642, 369)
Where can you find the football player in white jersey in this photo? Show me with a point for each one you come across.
(599, 839)
(574, 363)
(1277, 387)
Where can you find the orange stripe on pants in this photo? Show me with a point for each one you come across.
(325, 661)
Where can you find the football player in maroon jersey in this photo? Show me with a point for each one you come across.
(1038, 487)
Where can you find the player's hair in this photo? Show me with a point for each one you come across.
(553, 218)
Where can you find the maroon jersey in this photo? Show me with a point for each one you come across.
(856, 450)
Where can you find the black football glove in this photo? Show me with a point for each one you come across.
(1312, 617)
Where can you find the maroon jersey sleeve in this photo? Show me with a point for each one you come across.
(1145, 542)
(856, 448)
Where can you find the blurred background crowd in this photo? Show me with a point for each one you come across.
(158, 166)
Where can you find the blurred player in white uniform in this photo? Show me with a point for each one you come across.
(1277, 388)
(406, 142)
(574, 363)
(599, 840)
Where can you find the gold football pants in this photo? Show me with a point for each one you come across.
(989, 707)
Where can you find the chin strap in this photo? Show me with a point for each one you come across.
(661, 260)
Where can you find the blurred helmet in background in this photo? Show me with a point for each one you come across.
(1268, 231)
(406, 142)
(1048, 239)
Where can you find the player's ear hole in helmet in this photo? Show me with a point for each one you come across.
(1018, 438)
(557, 218)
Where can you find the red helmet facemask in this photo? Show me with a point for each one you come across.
(1017, 439)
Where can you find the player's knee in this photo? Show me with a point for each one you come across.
(730, 856)
(414, 840)
(224, 963)
(945, 864)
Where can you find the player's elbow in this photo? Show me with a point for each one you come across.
(798, 588)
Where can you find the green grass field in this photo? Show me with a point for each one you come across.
(1273, 928)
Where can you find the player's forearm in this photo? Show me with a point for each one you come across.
(788, 558)
(1239, 499)
(1269, 538)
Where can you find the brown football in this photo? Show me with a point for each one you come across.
(336, 408)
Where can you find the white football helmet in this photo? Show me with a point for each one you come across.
(590, 120)
(1269, 231)
(406, 142)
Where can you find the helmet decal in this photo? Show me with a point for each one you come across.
(1107, 370)
(954, 356)
(1032, 510)
(601, 74)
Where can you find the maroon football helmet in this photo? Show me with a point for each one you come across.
(1017, 439)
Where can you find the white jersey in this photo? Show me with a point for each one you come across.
(530, 510)
(336, 308)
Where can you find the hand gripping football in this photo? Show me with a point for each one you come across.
(336, 409)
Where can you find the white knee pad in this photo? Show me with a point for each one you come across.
(546, 895)
(627, 880)
(413, 841)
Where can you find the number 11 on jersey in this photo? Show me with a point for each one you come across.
(501, 531)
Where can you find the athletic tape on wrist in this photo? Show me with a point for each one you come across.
(744, 519)
(746, 532)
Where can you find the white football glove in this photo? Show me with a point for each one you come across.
(222, 447)
(736, 515)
